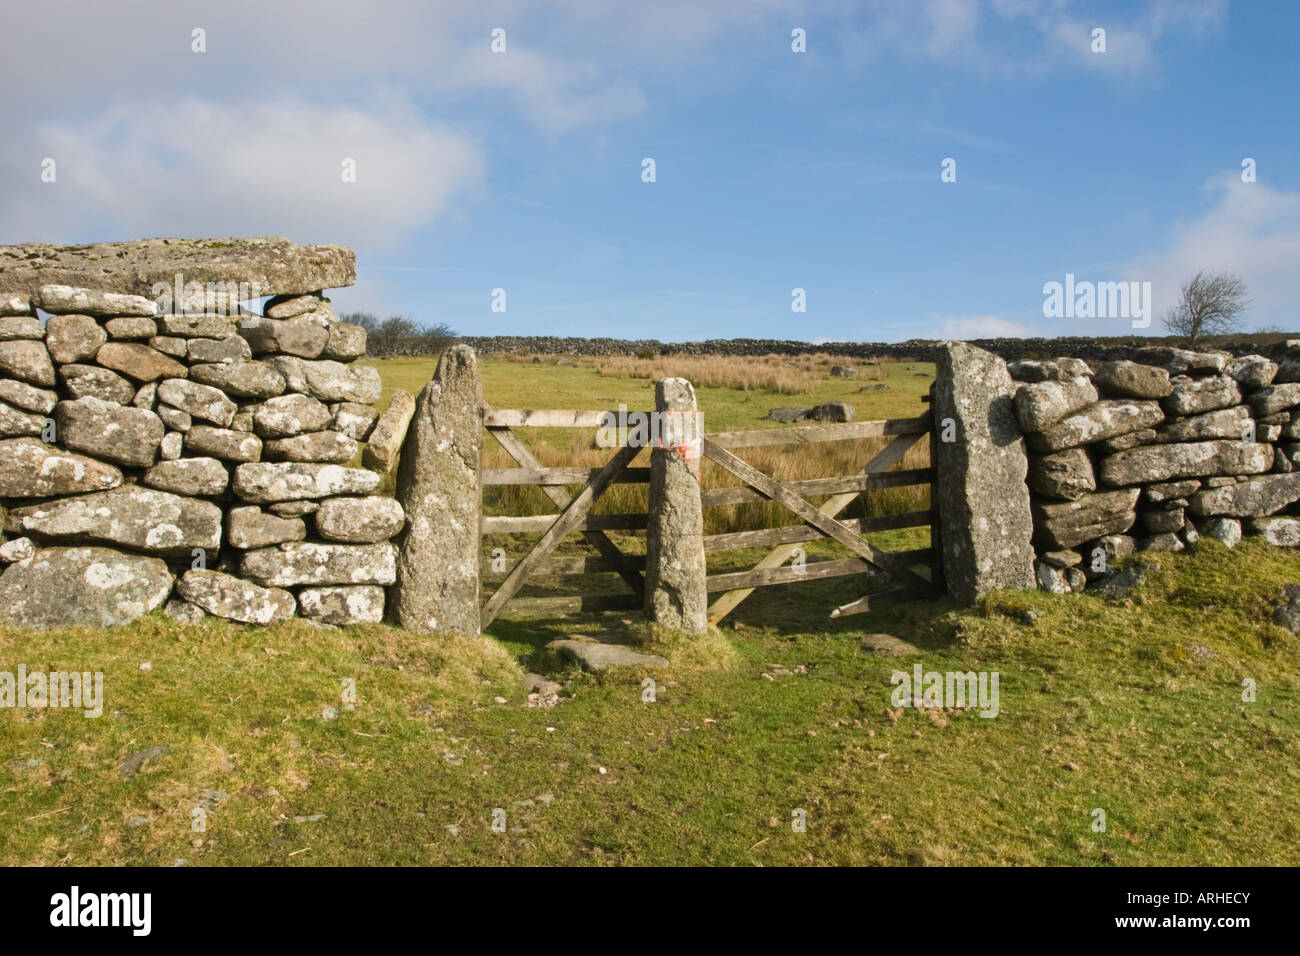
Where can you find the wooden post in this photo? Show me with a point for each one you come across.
(676, 593)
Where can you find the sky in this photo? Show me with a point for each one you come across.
(523, 169)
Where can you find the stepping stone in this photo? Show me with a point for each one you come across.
(886, 645)
(596, 656)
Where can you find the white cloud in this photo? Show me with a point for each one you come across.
(1026, 36)
(196, 167)
(1250, 229)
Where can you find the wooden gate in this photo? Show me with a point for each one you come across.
(574, 515)
(821, 521)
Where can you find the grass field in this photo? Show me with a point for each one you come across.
(1131, 708)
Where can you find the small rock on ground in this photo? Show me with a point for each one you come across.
(596, 656)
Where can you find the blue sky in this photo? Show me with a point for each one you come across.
(819, 170)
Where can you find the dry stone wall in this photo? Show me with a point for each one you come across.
(1154, 452)
(159, 446)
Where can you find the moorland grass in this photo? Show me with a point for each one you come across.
(1134, 708)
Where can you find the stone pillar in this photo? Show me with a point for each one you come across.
(439, 486)
(979, 482)
(675, 594)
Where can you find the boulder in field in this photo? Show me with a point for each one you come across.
(341, 606)
(1065, 474)
(1046, 403)
(1123, 379)
(1158, 463)
(82, 587)
(29, 468)
(118, 433)
(832, 411)
(1066, 524)
(359, 520)
(310, 563)
(224, 595)
(27, 361)
(138, 361)
(262, 482)
(198, 477)
(788, 414)
(1100, 420)
(73, 338)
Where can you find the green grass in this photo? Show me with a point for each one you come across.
(1103, 706)
(520, 384)
(711, 772)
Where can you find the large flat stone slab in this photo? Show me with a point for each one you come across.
(596, 656)
(274, 263)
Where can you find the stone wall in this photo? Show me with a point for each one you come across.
(161, 446)
(923, 350)
(1155, 452)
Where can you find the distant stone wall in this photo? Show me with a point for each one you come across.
(161, 447)
(921, 350)
(1154, 453)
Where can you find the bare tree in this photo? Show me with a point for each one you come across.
(1208, 305)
